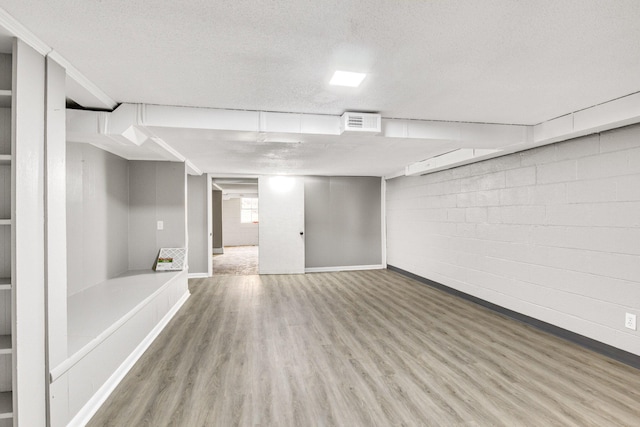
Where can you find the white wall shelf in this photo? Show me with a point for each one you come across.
(5, 344)
(7, 192)
(5, 98)
(6, 405)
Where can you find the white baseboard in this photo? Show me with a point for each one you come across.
(343, 268)
(218, 250)
(91, 407)
(198, 275)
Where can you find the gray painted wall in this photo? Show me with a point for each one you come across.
(112, 209)
(197, 220)
(97, 216)
(216, 210)
(552, 232)
(342, 221)
(157, 193)
(235, 233)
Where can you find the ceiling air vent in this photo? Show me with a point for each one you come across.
(360, 123)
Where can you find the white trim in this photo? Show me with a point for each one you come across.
(344, 268)
(96, 401)
(20, 31)
(71, 361)
(82, 80)
(198, 275)
(383, 222)
(193, 169)
(209, 210)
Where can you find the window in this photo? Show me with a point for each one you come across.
(249, 210)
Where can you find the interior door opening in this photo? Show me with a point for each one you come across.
(236, 222)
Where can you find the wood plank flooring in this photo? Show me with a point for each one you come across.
(369, 348)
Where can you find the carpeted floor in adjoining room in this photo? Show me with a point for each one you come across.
(236, 260)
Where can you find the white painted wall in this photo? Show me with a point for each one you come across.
(235, 233)
(553, 233)
(97, 205)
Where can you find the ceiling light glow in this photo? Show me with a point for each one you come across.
(281, 184)
(347, 78)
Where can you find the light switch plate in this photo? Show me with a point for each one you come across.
(160, 225)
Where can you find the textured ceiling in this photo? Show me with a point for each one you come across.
(484, 61)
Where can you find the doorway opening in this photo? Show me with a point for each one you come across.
(236, 222)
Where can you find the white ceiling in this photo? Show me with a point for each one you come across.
(231, 152)
(491, 61)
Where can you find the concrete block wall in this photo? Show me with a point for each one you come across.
(553, 232)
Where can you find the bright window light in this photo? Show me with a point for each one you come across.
(249, 210)
(347, 78)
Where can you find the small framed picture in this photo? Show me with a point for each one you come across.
(171, 259)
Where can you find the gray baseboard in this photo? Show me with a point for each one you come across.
(589, 343)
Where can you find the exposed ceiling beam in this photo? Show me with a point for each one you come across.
(130, 125)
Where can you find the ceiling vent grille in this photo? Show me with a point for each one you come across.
(361, 123)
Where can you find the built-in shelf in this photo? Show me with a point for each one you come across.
(7, 120)
(6, 405)
(5, 98)
(5, 344)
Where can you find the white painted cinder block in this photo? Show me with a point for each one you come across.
(579, 147)
(556, 172)
(552, 232)
(476, 214)
(628, 188)
(592, 191)
(634, 161)
(539, 155)
(604, 165)
(521, 177)
(619, 139)
(551, 194)
(516, 196)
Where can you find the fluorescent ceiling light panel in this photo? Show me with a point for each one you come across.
(347, 78)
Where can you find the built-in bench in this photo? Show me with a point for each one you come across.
(109, 327)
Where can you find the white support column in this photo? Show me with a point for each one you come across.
(209, 209)
(55, 226)
(383, 222)
(29, 381)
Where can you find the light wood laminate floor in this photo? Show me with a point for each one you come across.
(369, 348)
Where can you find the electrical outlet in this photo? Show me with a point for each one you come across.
(160, 225)
(630, 321)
